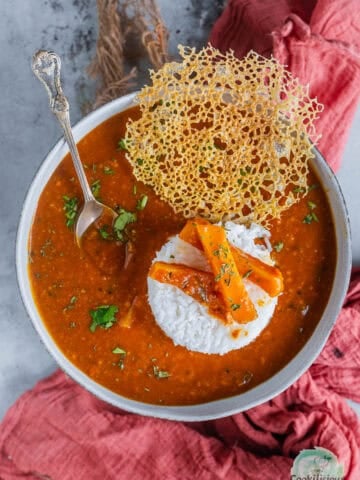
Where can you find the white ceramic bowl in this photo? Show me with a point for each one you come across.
(218, 408)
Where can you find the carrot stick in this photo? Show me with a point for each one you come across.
(267, 277)
(228, 280)
(195, 283)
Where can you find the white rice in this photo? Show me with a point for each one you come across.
(186, 321)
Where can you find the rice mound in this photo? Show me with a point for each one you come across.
(186, 321)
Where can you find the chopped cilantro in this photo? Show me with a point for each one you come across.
(122, 144)
(95, 188)
(119, 351)
(139, 161)
(71, 304)
(310, 217)
(312, 205)
(278, 246)
(235, 306)
(70, 207)
(314, 216)
(299, 190)
(122, 353)
(104, 232)
(159, 374)
(224, 268)
(122, 221)
(247, 274)
(108, 170)
(103, 316)
(141, 204)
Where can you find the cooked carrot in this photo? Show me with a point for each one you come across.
(268, 277)
(195, 283)
(228, 280)
(190, 234)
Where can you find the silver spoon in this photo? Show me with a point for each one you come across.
(46, 66)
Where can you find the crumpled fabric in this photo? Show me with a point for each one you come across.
(58, 430)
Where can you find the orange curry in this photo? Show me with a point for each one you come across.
(135, 358)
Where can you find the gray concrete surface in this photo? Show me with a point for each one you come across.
(27, 132)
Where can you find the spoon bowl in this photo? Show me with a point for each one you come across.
(46, 65)
(90, 214)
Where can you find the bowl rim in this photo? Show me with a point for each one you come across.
(217, 408)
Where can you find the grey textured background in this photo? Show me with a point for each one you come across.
(28, 131)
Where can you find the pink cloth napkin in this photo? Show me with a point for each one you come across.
(60, 431)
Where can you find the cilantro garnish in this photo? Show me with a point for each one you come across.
(159, 374)
(141, 203)
(70, 207)
(247, 274)
(103, 316)
(122, 144)
(235, 306)
(105, 233)
(278, 246)
(299, 190)
(108, 170)
(95, 188)
(71, 304)
(122, 221)
(139, 161)
(122, 353)
(119, 351)
(310, 217)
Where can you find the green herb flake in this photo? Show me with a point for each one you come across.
(104, 232)
(278, 246)
(95, 188)
(142, 202)
(235, 306)
(140, 161)
(123, 219)
(314, 216)
(159, 374)
(108, 170)
(299, 190)
(71, 304)
(122, 144)
(122, 353)
(119, 351)
(308, 218)
(247, 274)
(103, 316)
(70, 208)
(312, 205)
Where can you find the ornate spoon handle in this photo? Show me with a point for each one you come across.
(46, 65)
